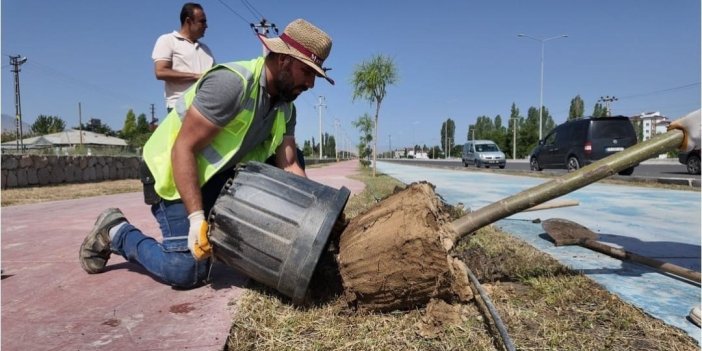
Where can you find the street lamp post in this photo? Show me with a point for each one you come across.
(320, 105)
(541, 98)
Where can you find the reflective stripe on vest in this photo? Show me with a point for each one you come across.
(211, 159)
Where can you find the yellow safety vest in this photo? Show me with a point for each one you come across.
(211, 159)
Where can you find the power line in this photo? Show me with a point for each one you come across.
(252, 9)
(661, 91)
(88, 86)
(633, 96)
(236, 13)
(263, 26)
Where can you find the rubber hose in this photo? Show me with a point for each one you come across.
(506, 340)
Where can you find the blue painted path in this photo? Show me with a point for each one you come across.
(657, 223)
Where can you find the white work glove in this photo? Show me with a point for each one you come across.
(690, 125)
(198, 243)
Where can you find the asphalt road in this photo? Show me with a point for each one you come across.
(663, 224)
(664, 169)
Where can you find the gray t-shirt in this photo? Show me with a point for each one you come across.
(218, 99)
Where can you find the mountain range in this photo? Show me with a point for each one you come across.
(9, 125)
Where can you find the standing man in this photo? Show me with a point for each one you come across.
(237, 112)
(179, 58)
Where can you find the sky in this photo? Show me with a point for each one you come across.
(455, 59)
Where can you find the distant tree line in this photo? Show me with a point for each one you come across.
(310, 148)
(526, 134)
(136, 130)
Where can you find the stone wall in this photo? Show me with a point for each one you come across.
(34, 170)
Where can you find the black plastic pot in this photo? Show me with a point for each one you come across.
(272, 226)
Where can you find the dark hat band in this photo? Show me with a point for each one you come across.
(302, 49)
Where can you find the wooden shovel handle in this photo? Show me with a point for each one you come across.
(626, 255)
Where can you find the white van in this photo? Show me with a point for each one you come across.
(483, 153)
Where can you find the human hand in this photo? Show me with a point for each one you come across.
(198, 243)
(690, 125)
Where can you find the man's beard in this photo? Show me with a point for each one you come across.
(285, 86)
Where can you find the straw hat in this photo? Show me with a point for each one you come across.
(305, 42)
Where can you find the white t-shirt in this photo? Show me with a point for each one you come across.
(184, 56)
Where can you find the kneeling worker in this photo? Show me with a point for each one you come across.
(236, 112)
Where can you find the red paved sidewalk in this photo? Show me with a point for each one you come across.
(49, 303)
(336, 175)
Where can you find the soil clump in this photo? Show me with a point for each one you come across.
(391, 256)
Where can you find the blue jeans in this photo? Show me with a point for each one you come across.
(170, 261)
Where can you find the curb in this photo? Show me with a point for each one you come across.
(693, 183)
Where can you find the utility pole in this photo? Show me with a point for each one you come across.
(154, 121)
(607, 100)
(514, 138)
(263, 28)
(319, 106)
(336, 139)
(80, 125)
(392, 154)
(345, 152)
(16, 62)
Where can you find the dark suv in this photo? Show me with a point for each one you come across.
(579, 142)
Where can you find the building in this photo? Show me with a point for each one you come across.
(652, 123)
(409, 153)
(69, 139)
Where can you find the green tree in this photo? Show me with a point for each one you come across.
(548, 123)
(95, 125)
(515, 122)
(370, 80)
(599, 111)
(142, 125)
(8, 136)
(365, 126)
(577, 108)
(499, 134)
(129, 129)
(138, 140)
(482, 129)
(447, 133)
(307, 149)
(48, 125)
(435, 152)
(528, 133)
(329, 148)
(315, 148)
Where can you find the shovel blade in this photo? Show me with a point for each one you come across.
(565, 232)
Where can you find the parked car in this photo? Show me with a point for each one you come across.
(483, 153)
(691, 160)
(579, 142)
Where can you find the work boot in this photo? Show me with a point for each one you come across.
(95, 250)
(695, 315)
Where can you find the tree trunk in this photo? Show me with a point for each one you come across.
(375, 137)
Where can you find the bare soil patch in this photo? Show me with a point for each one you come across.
(24, 196)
